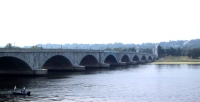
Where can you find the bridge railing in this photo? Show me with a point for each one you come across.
(46, 50)
(64, 50)
(127, 52)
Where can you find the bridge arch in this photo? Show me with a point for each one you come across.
(88, 60)
(135, 58)
(143, 58)
(13, 64)
(57, 62)
(125, 58)
(150, 58)
(110, 59)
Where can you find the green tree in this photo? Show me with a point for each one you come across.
(125, 49)
(161, 51)
(133, 49)
(147, 50)
(178, 52)
(117, 49)
(35, 47)
(8, 45)
(108, 49)
(195, 53)
(189, 54)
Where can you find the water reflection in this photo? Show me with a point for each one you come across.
(194, 66)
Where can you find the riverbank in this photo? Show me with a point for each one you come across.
(176, 60)
(174, 63)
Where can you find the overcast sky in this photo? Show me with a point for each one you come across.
(30, 22)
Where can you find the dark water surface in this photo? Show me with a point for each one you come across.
(141, 83)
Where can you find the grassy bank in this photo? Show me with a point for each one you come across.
(176, 60)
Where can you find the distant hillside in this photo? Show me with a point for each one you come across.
(195, 43)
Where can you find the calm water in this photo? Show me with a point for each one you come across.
(142, 83)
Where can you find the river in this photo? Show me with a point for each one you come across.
(139, 83)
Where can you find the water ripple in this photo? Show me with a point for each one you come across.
(142, 83)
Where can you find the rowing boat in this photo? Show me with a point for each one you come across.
(22, 93)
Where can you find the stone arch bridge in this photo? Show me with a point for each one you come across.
(28, 60)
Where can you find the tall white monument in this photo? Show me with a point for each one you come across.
(137, 49)
(156, 51)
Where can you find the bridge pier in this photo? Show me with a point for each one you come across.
(40, 72)
(148, 61)
(104, 65)
(118, 64)
(37, 72)
(79, 68)
(98, 66)
(131, 63)
(142, 62)
(16, 72)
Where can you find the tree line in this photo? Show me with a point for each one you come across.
(131, 49)
(192, 53)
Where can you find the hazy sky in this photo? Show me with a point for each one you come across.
(30, 22)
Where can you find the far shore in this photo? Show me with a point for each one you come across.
(174, 63)
(176, 60)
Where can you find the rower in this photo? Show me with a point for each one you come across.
(24, 90)
(15, 87)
